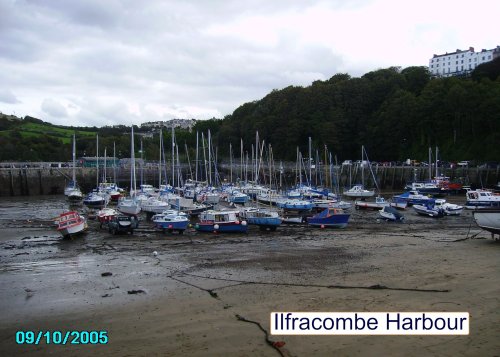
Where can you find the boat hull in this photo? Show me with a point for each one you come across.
(488, 220)
(336, 221)
(222, 227)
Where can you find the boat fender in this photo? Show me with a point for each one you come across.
(243, 223)
(216, 226)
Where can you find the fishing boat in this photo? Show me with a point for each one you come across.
(221, 221)
(480, 199)
(389, 213)
(329, 217)
(171, 220)
(488, 219)
(429, 209)
(358, 191)
(262, 217)
(378, 204)
(450, 209)
(71, 223)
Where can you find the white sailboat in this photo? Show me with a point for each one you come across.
(358, 191)
(131, 205)
(72, 191)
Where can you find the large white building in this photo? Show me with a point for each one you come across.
(460, 63)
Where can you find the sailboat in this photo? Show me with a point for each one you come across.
(130, 205)
(72, 191)
(96, 199)
(358, 191)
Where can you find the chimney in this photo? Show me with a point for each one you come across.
(471, 49)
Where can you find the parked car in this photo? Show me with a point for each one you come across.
(123, 224)
(347, 163)
(463, 163)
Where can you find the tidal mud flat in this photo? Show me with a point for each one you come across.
(197, 294)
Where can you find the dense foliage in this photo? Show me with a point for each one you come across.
(396, 114)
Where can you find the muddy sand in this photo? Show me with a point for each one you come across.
(191, 298)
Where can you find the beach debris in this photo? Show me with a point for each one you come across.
(139, 291)
(29, 293)
(106, 295)
(155, 253)
(107, 273)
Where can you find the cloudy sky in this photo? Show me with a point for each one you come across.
(105, 62)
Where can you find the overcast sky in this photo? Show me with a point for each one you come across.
(105, 62)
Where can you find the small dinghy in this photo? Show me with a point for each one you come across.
(429, 209)
(389, 213)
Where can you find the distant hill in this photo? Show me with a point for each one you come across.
(395, 113)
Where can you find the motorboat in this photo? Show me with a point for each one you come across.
(171, 220)
(389, 213)
(221, 221)
(429, 209)
(71, 223)
(262, 217)
(488, 219)
(329, 217)
(450, 209)
(378, 204)
(479, 199)
(358, 191)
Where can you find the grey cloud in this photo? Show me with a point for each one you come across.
(6, 96)
(54, 108)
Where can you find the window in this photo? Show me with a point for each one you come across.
(456, 62)
(469, 66)
(483, 58)
(432, 66)
(448, 63)
(462, 55)
(489, 57)
(469, 59)
(475, 59)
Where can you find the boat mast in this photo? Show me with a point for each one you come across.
(189, 161)
(231, 162)
(159, 164)
(310, 164)
(142, 166)
(256, 156)
(204, 155)
(114, 163)
(173, 157)
(430, 163)
(105, 167)
(437, 161)
(241, 159)
(97, 159)
(74, 160)
(196, 161)
(362, 167)
(133, 185)
(209, 158)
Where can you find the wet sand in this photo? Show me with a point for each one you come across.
(197, 284)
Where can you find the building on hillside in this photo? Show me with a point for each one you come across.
(460, 63)
(174, 123)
